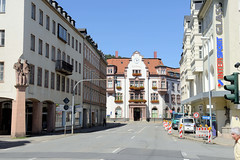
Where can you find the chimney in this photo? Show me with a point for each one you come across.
(155, 54)
(116, 54)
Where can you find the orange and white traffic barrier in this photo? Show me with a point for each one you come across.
(209, 134)
(166, 125)
(170, 128)
(181, 131)
(201, 132)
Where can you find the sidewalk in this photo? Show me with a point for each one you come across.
(7, 142)
(220, 140)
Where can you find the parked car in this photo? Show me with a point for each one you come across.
(189, 124)
(175, 120)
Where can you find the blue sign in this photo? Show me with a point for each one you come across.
(206, 117)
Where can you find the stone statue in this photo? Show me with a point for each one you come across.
(18, 67)
(26, 71)
(22, 72)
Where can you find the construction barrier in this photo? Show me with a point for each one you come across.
(170, 128)
(201, 132)
(181, 131)
(166, 125)
(209, 135)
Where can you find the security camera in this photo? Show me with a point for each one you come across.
(237, 65)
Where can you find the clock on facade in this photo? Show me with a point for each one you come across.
(136, 60)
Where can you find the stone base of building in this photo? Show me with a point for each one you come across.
(226, 132)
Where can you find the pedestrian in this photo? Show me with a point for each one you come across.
(236, 136)
(104, 122)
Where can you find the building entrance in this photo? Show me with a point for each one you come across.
(5, 118)
(137, 114)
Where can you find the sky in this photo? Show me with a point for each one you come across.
(127, 26)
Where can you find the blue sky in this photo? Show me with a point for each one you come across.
(129, 25)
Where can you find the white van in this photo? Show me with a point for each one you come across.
(188, 124)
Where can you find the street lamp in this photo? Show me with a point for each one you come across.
(73, 116)
(209, 83)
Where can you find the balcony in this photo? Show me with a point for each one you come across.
(154, 101)
(64, 67)
(137, 101)
(197, 66)
(162, 90)
(136, 88)
(118, 101)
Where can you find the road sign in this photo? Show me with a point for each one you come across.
(196, 115)
(66, 100)
(209, 106)
(206, 117)
(66, 107)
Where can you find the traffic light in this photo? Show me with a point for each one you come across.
(234, 97)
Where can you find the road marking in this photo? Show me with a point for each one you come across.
(130, 130)
(141, 130)
(132, 137)
(116, 150)
(184, 154)
(32, 158)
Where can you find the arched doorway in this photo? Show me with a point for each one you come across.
(154, 112)
(137, 114)
(118, 112)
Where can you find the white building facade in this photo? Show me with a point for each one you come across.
(45, 35)
(219, 28)
(137, 88)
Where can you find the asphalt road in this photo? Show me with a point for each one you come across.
(133, 141)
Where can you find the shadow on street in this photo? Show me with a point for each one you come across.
(9, 144)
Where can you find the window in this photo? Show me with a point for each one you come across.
(40, 17)
(72, 42)
(46, 78)
(154, 84)
(64, 56)
(58, 83)
(80, 48)
(63, 83)
(167, 98)
(62, 33)
(110, 70)
(118, 96)
(76, 45)
(118, 83)
(154, 96)
(52, 80)
(79, 89)
(53, 27)
(173, 87)
(173, 98)
(53, 53)
(110, 84)
(200, 52)
(32, 42)
(1, 71)
(71, 86)
(67, 87)
(76, 66)
(76, 88)
(47, 50)
(39, 75)
(163, 84)
(40, 46)
(47, 22)
(178, 99)
(33, 11)
(69, 39)
(79, 69)
(2, 37)
(68, 59)
(59, 54)
(32, 74)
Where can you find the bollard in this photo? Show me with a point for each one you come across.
(170, 128)
(181, 131)
(209, 135)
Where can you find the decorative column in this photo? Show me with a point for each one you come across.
(51, 117)
(18, 127)
(37, 118)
